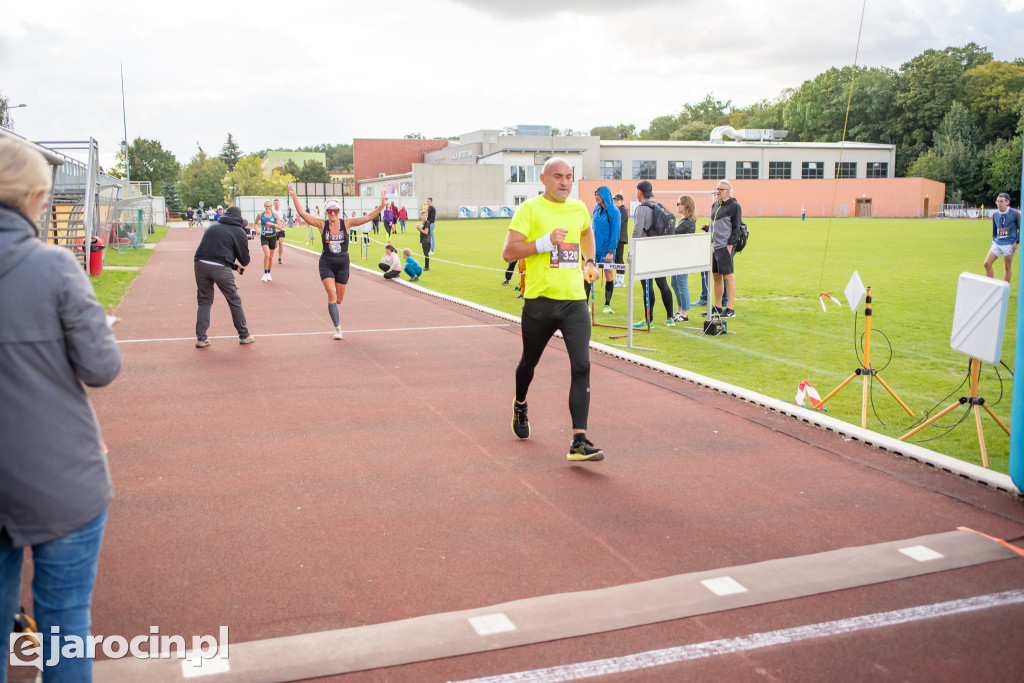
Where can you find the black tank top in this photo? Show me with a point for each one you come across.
(335, 244)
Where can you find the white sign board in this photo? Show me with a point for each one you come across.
(652, 257)
(979, 317)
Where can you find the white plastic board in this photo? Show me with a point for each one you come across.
(670, 255)
(979, 317)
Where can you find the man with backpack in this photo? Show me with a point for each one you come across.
(651, 219)
(726, 219)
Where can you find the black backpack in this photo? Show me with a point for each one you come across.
(741, 242)
(662, 222)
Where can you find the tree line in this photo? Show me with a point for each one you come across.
(216, 180)
(955, 115)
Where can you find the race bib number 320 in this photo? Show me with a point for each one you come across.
(566, 255)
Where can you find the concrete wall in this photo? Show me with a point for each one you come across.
(890, 197)
(452, 185)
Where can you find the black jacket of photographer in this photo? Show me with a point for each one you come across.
(224, 242)
(725, 223)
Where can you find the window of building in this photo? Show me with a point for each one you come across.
(812, 170)
(525, 174)
(780, 170)
(846, 169)
(645, 170)
(877, 169)
(518, 199)
(713, 170)
(611, 170)
(680, 170)
(746, 170)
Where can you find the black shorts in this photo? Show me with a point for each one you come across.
(335, 270)
(269, 240)
(280, 234)
(721, 261)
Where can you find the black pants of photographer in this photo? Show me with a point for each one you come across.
(541, 317)
(666, 297)
(208, 275)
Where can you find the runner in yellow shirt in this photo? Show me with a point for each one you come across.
(553, 234)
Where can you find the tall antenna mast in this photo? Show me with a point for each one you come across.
(124, 118)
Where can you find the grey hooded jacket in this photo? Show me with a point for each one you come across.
(53, 339)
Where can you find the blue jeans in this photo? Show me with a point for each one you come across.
(431, 237)
(704, 286)
(681, 285)
(62, 582)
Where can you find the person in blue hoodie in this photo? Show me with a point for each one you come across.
(607, 221)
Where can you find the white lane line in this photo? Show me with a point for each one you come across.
(302, 334)
(653, 658)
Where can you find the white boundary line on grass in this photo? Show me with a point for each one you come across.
(996, 480)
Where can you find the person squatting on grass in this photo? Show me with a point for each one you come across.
(390, 264)
(1005, 236)
(55, 485)
(334, 259)
(412, 268)
(552, 233)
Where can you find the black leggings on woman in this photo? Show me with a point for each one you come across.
(541, 317)
(666, 297)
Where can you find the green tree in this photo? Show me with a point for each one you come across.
(970, 55)
(148, 160)
(925, 88)
(413, 136)
(931, 166)
(692, 130)
(171, 198)
(313, 172)
(289, 167)
(817, 111)
(661, 128)
(619, 132)
(201, 181)
(5, 114)
(709, 110)
(248, 179)
(230, 153)
(339, 157)
(991, 93)
(764, 114)
(1004, 171)
(958, 143)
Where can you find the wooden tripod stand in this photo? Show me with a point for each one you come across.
(867, 371)
(977, 402)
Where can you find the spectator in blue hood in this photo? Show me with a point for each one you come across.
(606, 234)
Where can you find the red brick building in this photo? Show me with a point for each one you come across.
(370, 158)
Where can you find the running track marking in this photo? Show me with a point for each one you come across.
(727, 646)
(328, 333)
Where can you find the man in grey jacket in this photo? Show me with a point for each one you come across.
(726, 217)
(55, 484)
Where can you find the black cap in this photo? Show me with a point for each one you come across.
(618, 196)
(645, 188)
(233, 211)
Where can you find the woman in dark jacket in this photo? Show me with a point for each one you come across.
(681, 283)
(54, 481)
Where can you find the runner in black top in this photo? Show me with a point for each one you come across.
(334, 260)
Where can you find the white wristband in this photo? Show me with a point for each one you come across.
(544, 243)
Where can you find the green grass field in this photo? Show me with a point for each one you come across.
(781, 334)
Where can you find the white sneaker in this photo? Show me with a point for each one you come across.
(269, 278)
(337, 333)
(264, 278)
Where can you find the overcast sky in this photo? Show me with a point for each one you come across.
(289, 74)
